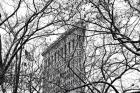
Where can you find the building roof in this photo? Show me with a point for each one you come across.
(64, 35)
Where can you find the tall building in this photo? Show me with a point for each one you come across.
(63, 62)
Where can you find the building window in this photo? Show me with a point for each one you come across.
(69, 47)
(58, 55)
(73, 44)
(55, 54)
(65, 49)
(52, 60)
(46, 61)
(61, 50)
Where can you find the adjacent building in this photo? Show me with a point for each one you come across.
(63, 62)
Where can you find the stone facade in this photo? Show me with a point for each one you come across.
(63, 62)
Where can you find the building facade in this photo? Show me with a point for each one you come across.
(64, 62)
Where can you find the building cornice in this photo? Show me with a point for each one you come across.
(63, 36)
